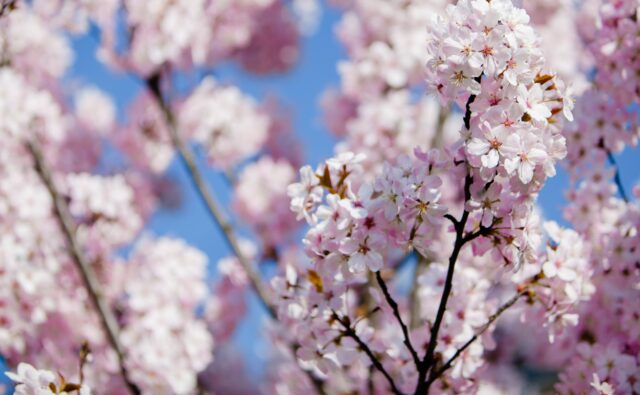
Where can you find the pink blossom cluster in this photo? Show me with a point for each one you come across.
(488, 52)
(609, 31)
(159, 309)
(376, 109)
(261, 200)
(608, 337)
(104, 209)
(564, 281)
(615, 51)
(229, 125)
(26, 38)
(356, 223)
(203, 32)
(375, 91)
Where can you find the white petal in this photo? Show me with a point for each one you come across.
(525, 171)
(478, 146)
(375, 261)
(511, 164)
(490, 160)
(357, 263)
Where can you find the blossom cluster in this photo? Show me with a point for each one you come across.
(376, 109)
(261, 201)
(357, 223)
(209, 32)
(159, 309)
(484, 55)
(228, 135)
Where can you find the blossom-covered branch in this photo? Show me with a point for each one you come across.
(349, 331)
(208, 199)
(438, 371)
(396, 313)
(427, 361)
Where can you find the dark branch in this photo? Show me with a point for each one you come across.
(467, 110)
(616, 176)
(428, 359)
(396, 313)
(452, 219)
(348, 331)
(427, 362)
(61, 211)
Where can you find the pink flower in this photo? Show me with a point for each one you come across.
(363, 251)
(532, 102)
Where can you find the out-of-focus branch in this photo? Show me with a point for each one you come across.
(7, 6)
(348, 331)
(438, 136)
(436, 373)
(216, 212)
(214, 208)
(61, 211)
(396, 313)
(616, 177)
(422, 263)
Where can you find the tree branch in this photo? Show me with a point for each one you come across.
(215, 210)
(348, 331)
(616, 177)
(61, 211)
(396, 313)
(435, 374)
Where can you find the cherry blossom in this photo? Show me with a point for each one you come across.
(33, 381)
(416, 258)
(228, 136)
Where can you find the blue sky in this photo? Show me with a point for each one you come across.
(300, 91)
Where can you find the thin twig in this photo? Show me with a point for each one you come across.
(616, 176)
(348, 331)
(396, 313)
(435, 374)
(91, 284)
